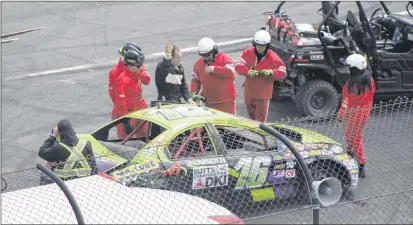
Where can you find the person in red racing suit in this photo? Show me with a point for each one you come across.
(214, 72)
(113, 76)
(356, 107)
(261, 67)
(129, 90)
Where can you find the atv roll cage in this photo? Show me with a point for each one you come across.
(407, 8)
(353, 25)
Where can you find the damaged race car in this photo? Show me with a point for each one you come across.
(224, 158)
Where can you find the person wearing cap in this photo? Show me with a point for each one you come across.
(356, 106)
(113, 76)
(170, 76)
(214, 73)
(129, 89)
(261, 67)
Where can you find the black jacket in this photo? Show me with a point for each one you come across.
(52, 151)
(175, 87)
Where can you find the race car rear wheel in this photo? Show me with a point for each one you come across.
(317, 98)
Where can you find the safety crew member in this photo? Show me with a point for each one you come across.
(129, 90)
(356, 106)
(261, 67)
(69, 157)
(214, 72)
(170, 76)
(113, 76)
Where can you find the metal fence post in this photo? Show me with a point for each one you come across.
(66, 191)
(315, 204)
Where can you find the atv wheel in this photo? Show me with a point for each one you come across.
(317, 98)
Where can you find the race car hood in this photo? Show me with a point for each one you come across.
(301, 135)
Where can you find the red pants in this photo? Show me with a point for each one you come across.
(121, 128)
(354, 124)
(257, 109)
(228, 107)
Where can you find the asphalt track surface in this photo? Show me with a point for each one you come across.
(82, 33)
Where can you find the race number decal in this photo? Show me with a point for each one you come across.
(181, 112)
(253, 172)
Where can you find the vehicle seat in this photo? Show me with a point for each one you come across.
(403, 47)
(395, 53)
(389, 45)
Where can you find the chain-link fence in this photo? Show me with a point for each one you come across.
(228, 172)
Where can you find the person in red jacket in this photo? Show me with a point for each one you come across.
(113, 76)
(356, 107)
(214, 72)
(129, 89)
(261, 67)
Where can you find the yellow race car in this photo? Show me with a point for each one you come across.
(218, 156)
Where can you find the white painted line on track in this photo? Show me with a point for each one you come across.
(89, 67)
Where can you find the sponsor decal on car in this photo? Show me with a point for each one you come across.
(327, 153)
(278, 158)
(205, 161)
(279, 166)
(314, 153)
(304, 154)
(279, 173)
(136, 169)
(342, 157)
(299, 146)
(349, 163)
(290, 164)
(354, 179)
(210, 176)
(336, 149)
(290, 173)
(289, 155)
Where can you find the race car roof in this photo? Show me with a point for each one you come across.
(175, 114)
(103, 201)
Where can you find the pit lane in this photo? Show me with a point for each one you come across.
(31, 107)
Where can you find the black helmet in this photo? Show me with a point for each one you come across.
(134, 58)
(126, 47)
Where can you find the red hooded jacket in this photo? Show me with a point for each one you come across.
(113, 76)
(260, 87)
(129, 91)
(218, 86)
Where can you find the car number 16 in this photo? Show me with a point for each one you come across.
(253, 172)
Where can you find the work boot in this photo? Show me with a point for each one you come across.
(362, 170)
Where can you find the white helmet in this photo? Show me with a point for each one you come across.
(356, 60)
(205, 45)
(262, 37)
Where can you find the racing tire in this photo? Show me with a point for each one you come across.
(317, 98)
